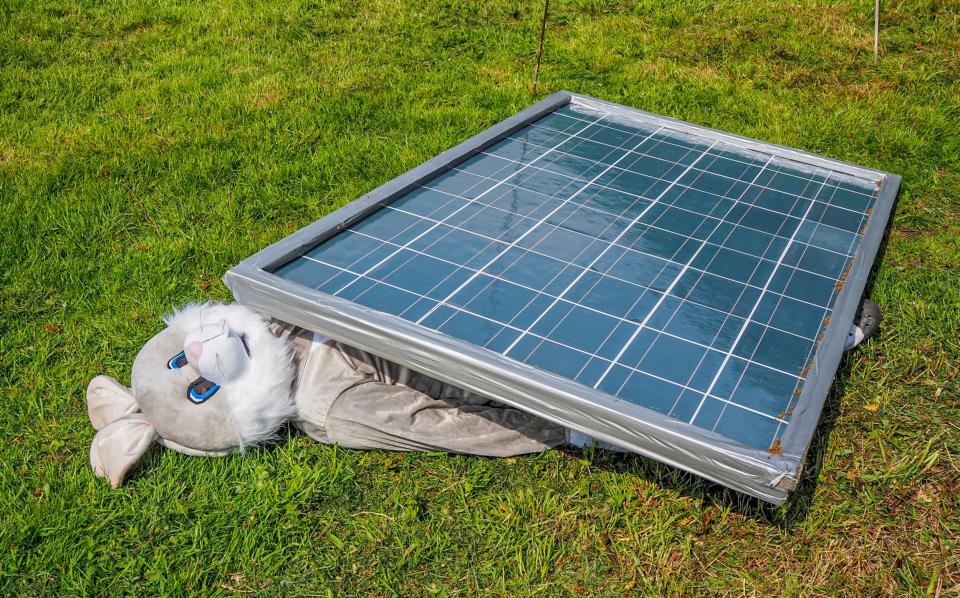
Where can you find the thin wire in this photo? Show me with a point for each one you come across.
(876, 31)
(543, 31)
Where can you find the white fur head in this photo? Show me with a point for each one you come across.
(214, 381)
(240, 354)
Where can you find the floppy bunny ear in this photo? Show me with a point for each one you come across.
(108, 401)
(119, 445)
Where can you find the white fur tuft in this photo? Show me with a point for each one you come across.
(261, 400)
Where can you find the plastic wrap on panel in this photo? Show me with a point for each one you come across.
(766, 474)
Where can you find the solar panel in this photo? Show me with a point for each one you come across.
(662, 286)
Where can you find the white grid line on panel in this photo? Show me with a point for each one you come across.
(678, 184)
(688, 134)
(753, 353)
(514, 243)
(688, 210)
(571, 348)
(673, 284)
(644, 224)
(746, 323)
(624, 248)
(371, 268)
(543, 292)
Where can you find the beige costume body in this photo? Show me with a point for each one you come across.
(347, 396)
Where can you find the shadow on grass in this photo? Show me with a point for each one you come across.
(151, 460)
(798, 503)
(710, 494)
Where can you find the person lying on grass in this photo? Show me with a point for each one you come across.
(220, 378)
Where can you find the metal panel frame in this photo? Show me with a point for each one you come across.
(759, 473)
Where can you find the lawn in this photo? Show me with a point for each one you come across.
(145, 148)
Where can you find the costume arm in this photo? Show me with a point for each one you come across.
(397, 417)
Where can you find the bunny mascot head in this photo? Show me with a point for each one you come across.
(214, 381)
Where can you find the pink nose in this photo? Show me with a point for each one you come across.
(195, 349)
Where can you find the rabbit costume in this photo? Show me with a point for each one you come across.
(220, 378)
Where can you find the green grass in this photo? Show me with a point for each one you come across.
(147, 148)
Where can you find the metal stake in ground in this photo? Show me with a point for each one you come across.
(876, 33)
(543, 31)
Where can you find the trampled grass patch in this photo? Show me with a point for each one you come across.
(145, 148)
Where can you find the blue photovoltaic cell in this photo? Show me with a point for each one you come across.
(684, 274)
